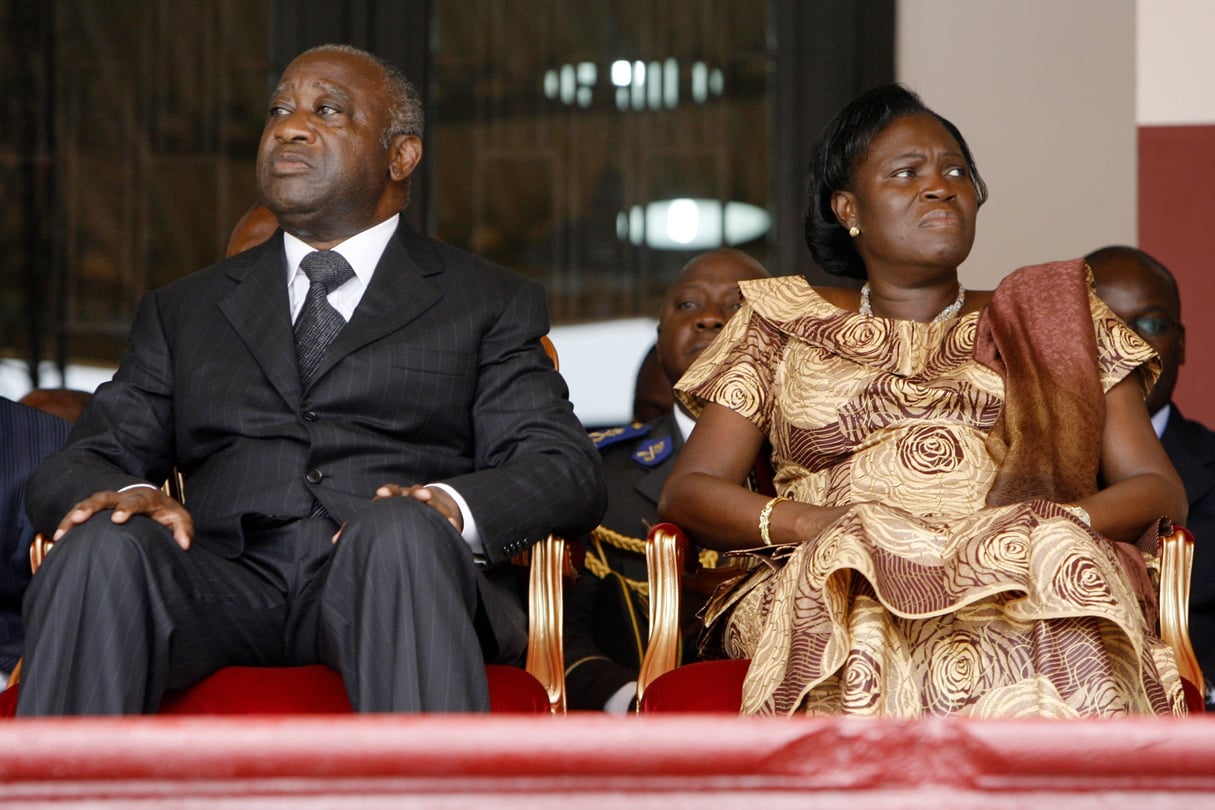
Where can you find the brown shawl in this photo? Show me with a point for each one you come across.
(1037, 334)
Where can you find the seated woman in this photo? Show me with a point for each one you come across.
(954, 467)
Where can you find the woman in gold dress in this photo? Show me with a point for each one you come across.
(959, 473)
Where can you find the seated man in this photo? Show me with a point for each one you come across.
(606, 627)
(28, 436)
(368, 426)
(66, 403)
(1141, 291)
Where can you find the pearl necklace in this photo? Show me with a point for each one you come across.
(949, 312)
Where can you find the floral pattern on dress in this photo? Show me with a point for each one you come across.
(920, 599)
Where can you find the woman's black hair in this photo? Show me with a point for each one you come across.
(839, 151)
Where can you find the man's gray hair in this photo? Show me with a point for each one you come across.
(405, 105)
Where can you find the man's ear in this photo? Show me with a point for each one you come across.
(404, 155)
(843, 203)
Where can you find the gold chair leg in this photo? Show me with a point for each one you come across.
(546, 643)
(665, 551)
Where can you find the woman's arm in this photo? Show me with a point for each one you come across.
(1138, 480)
(705, 495)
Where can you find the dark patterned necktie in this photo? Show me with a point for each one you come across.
(318, 322)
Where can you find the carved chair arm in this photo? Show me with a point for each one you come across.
(545, 605)
(1175, 561)
(665, 552)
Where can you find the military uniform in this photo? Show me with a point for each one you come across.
(606, 609)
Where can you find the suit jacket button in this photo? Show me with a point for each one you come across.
(313, 476)
(310, 416)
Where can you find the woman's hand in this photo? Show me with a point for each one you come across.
(705, 495)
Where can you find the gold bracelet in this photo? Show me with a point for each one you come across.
(765, 515)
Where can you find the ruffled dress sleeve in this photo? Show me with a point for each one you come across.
(738, 369)
(1120, 352)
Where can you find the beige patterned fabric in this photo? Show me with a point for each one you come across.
(921, 599)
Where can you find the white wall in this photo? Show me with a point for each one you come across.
(1175, 79)
(15, 378)
(1044, 91)
(599, 362)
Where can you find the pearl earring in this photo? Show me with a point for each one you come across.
(854, 232)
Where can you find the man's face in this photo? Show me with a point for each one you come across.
(698, 305)
(322, 167)
(1139, 296)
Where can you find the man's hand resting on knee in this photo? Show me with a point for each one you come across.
(137, 500)
(436, 497)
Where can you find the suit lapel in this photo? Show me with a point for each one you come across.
(258, 310)
(399, 292)
(1197, 475)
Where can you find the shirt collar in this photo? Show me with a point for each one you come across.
(363, 250)
(684, 422)
(1161, 418)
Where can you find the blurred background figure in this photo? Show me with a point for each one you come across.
(254, 227)
(27, 435)
(66, 403)
(652, 395)
(605, 610)
(1141, 291)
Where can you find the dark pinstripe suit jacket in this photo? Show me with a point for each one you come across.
(1191, 448)
(438, 376)
(27, 436)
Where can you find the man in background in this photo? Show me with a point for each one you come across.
(1141, 291)
(606, 626)
(27, 436)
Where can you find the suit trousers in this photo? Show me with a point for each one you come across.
(118, 613)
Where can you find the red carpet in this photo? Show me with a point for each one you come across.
(595, 761)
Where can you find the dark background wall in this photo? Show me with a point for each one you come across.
(129, 133)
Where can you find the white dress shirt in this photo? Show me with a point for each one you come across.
(1160, 419)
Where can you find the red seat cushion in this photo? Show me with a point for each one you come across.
(705, 686)
(311, 690)
(515, 691)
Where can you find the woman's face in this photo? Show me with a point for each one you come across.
(913, 199)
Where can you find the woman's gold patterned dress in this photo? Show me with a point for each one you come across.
(921, 599)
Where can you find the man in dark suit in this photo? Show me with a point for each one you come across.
(27, 436)
(350, 502)
(1141, 291)
(606, 625)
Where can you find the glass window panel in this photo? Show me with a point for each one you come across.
(547, 157)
